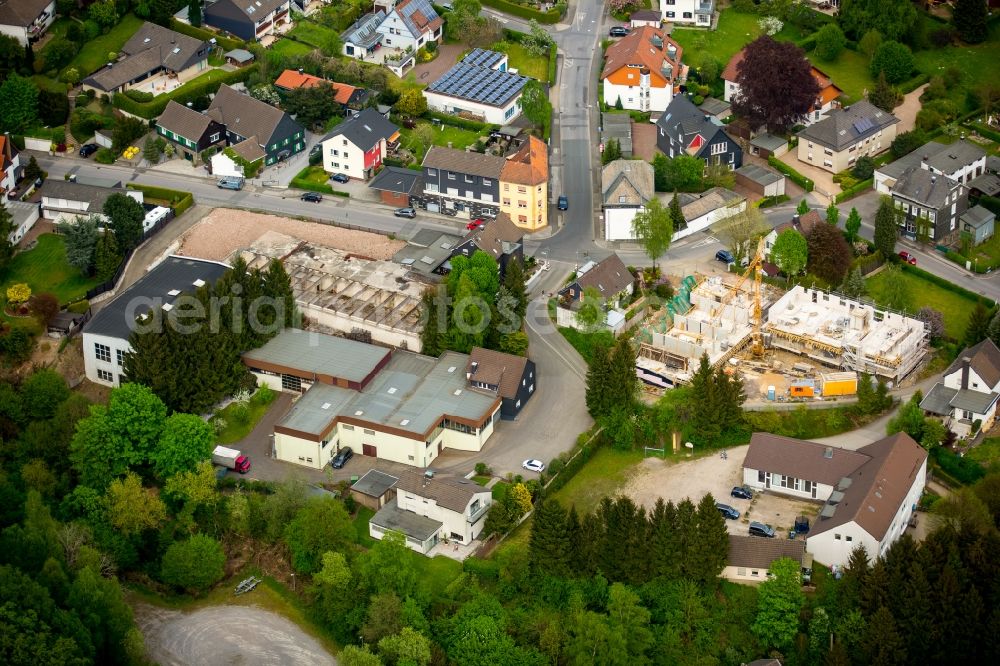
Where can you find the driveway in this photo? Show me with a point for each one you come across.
(643, 140)
(429, 72)
(825, 188)
(907, 110)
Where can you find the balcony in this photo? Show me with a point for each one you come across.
(478, 513)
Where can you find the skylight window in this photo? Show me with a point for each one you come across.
(199, 283)
(404, 422)
(392, 390)
(458, 391)
(174, 292)
(359, 412)
(326, 405)
(167, 307)
(451, 369)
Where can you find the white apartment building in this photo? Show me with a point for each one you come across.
(688, 12)
(643, 70)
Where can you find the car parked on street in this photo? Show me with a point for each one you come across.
(761, 530)
(533, 465)
(405, 212)
(340, 178)
(314, 197)
(562, 203)
(725, 256)
(727, 511)
(88, 149)
(475, 224)
(741, 492)
(908, 258)
(342, 457)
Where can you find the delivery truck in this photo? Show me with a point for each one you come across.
(225, 458)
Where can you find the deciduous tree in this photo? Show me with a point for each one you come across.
(680, 174)
(779, 601)
(612, 151)
(830, 41)
(126, 216)
(411, 103)
(387, 566)
(829, 255)
(42, 393)
(776, 84)
(653, 228)
(891, 19)
(893, 59)
(790, 252)
(970, 18)
(132, 508)
(6, 229)
(741, 232)
(312, 106)
(590, 313)
(321, 525)
(934, 321)
(869, 43)
(408, 647)
(884, 96)
(194, 564)
(896, 293)
(186, 440)
(853, 224)
(18, 104)
(535, 104)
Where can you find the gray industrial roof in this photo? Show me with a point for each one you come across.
(374, 483)
(418, 528)
(759, 174)
(320, 354)
(479, 84)
(618, 126)
(317, 408)
(173, 274)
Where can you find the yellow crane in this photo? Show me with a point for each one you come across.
(756, 268)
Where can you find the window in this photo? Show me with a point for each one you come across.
(836, 536)
(521, 189)
(671, 14)
(687, 15)
(506, 202)
(103, 352)
(531, 389)
(522, 203)
(347, 427)
(214, 137)
(622, 198)
(506, 187)
(369, 432)
(849, 538)
(754, 572)
(509, 112)
(719, 148)
(468, 178)
(120, 356)
(105, 375)
(487, 182)
(451, 176)
(334, 152)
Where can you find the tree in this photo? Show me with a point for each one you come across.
(934, 321)
(58, 53)
(513, 280)
(883, 645)
(776, 84)
(854, 284)
(868, 44)
(352, 655)
(741, 232)
(832, 214)
(907, 142)
(893, 59)
(891, 19)
(194, 488)
(81, 242)
(886, 226)
(432, 335)
(535, 104)
(312, 106)
(126, 130)
(42, 393)
(194, 564)
(186, 441)
(538, 40)
(598, 387)
(830, 41)
(411, 103)
(677, 221)
(32, 171)
(884, 96)
(104, 13)
(970, 20)
(853, 224)
(53, 108)
(779, 600)
(409, 647)
(131, 508)
(195, 13)
(653, 227)
(829, 255)
(319, 526)
(6, 229)
(18, 105)
(590, 314)
(106, 256)
(548, 544)
(45, 307)
(896, 295)
(612, 151)
(126, 215)
(515, 343)
(11, 56)
(680, 174)
(978, 325)
(803, 207)
(151, 151)
(627, 617)
(864, 168)
(708, 550)
(790, 252)
(909, 419)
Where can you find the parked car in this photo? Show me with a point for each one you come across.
(725, 256)
(475, 224)
(741, 492)
(533, 465)
(231, 184)
(314, 197)
(340, 178)
(563, 203)
(727, 511)
(342, 457)
(88, 149)
(405, 212)
(618, 31)
(908, 258)
(761, 530)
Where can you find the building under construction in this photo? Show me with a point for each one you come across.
(846, 334)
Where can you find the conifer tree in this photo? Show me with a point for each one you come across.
(547, 547)
(106, 256)
(278, 286)
(513, 279)
(803, 207)
(685, 525)
(622, 380)
(916, 622)
(883, 644)
(432, 336)
(710, 545)
(574, 541)
(875, 590)
(677, 221)
(886, 227)
(977, 328)
(599, 397)
(832, 214)
(663, 549)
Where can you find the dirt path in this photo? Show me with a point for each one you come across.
(226, 635)
(907, 110)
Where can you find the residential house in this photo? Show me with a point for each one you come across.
(717, 108)
(375, 489)
(966, 397)
(524, 185)
(750, 557)
(190, 131)
(11, 168)
(106, 335)
(500, 238)
(409, 24)
(869, 495)
(684, 12)
(684, 130)
(347, 96)
(644, 17)
(626, 187)
(430, 508)
(67, 201)
(250, 20)
(613, 282)
(245, 117)
(395, 405)
(154, 60)
(978, 222)
(26, 20)
(363, 39)
(643, 70)
(800, 223)
(702, 210)
(23, 217)
(480, 86)
(961, 161)
(396, 185)
(836, 141)
(357, 146)
(826, 99)
(462, 181)
(235, 160)
(761, 180)
(920, 194)
(506, 375)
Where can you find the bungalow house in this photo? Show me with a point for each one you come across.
(190, 131)
(868, 495)
(357, 146)
(750, 557)
(66, 201)
(409, 24)
(684, 130)
(613, 282)
(23, 217)
(430, 508)
(480, 85)
(961, 161)
(11, 168)
(245, 117)
(826, 98)
(836, 141)
(347, 96)
(626, 187)
(26, 20)
(154, 60)
(643, 70)
(701, 211)
(966, 397)
(500, 238)
(693, 12)
(506, 375)
(250, 20)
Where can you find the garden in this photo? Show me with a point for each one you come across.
(426, 134)
(44, 268)
(953, 305)
(236, 420)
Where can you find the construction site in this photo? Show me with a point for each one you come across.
(803, 344)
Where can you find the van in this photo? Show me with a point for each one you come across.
(231, 184)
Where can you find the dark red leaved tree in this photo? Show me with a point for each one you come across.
(776, 84)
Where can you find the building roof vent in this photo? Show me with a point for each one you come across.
(828, 452)
(359, 412)
(404, 422)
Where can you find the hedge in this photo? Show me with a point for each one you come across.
(553, 63)
(482, 569)
(854, 190)
(794, 175)
(461, 123)
(589, 443)
(867, 263)
(949, 286)
(767, 202)
(963, 470)
(990, 134)
(551, 16)
(914, 83)
(990, 203)
(322, 188)
(179, 201)
(186, 93)
(228, 43)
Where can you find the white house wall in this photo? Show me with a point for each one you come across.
(744, 574)
(453, 522)
(493, 115)
(618, 223)
(828, 549)
(659, 98)
(223, 166)
(342, 156)
(751, 477)
(17, 234)
(91, 364)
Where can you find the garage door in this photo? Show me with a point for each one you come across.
(433, 208)
(369, 450)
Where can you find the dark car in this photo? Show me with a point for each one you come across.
(405, 212)
(618, 31)
(563, 203)
(725, 256)
(908, 258)
(727, 511)
(761, 530)
(741, 492)
(342, 457)
(88, 149)
(314, 197)
(340, 178)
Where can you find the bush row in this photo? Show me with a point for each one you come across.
(551, 16)
(767, 202)
(322, 188)
(990, 134)
(854, 190)
(794, 175)
(461, 123)
(553, 64)
(868, 262)
(177, 200)
(963, 470)
(949, 286)
(589, 443)
(914, 83)
(228, 43)
(187, 93)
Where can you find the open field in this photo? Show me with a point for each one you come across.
(954, 307)
(604, 474)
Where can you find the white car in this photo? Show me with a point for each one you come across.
(533, 465)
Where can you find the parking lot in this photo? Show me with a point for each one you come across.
(674, 481)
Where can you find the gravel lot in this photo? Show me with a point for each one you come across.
(225, 230)
(226, 635)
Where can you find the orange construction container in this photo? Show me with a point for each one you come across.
(840, 383)
(803, 388)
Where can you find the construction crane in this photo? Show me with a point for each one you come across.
(755, 268)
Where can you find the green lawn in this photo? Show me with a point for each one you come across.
(234, 431)
(482, 480)
(584, 342)
(987, 453)
(443, 134)
(361, 526)
(954, 307)
(94, 54)
(850, 72)
(499, 490)
(972, 61)
(537, 67)
(44, 269)
(435, 573)
(734, 32)
(287, 47)
(314, 33)
(45, 83)
(603, 475)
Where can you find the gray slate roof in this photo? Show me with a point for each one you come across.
(984, 358)
(682, 120)
(374, 483)
(398, 180)
(240, 55)
(974, 401)
(844, 127)
(364, 130)
(151, 47)
(713, 199)
(988, 184)
(632, 179)
(715, 107)
(768, 142)
(173, 273)
(463, 161)
(419, 528)
(253, 9)
(451, 492)
(183, 121)
(977, 217)
(899, 167)
(95, 195)
(759, 174)
(21, 12)
(938, 400)
(618, 126)
(925, 188)
(246, 116)
(952, 157)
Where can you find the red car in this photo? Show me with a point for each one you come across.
(908, 258)
(475, 224)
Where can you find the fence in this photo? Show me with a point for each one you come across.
(109, 285)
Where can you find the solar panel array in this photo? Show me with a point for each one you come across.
(479, 84)
(483, 58)
(862, 125)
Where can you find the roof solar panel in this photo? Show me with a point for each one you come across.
(477, 83)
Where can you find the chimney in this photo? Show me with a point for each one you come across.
(301, 71)
(965, 371)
